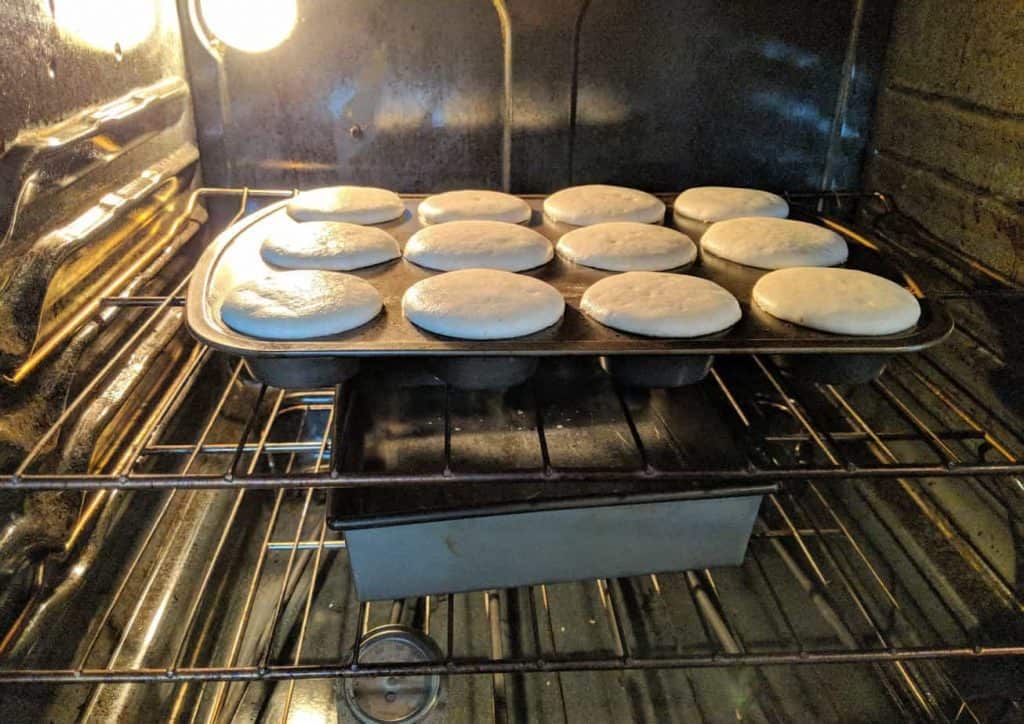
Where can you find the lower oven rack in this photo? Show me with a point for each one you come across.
(839, 559)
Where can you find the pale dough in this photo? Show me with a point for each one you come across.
(330, 245)
(300, 304)
(473, 205)
(657, 304)
(355, 204)
(717, 203)
(774, 243)
(596, 203)
(842, 301)
(482, 304)
(627, 246)
(478, 244)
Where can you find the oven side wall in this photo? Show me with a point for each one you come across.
(949, 127)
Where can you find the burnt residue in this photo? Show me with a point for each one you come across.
(36, 526)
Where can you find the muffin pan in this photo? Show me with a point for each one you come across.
(234, 256)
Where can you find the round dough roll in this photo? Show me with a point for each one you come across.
(627, 246)
(717, 203)
(774, 243)
(657, 304)
(473, 205)
(841, 301)
(355, 204)
(300, 304)
(478, 244)
(482, 304)
(329, 245)
(597, 203)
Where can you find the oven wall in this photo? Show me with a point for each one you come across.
(532, 95)
(949, 131)
(58, 59)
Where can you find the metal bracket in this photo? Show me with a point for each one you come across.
(45, 160)
(23, 294)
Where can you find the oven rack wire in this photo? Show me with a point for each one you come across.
(834, 466)
(828, 464)
(805, 541)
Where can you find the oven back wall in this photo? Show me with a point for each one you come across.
(533, 95)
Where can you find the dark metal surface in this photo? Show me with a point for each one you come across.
(234, 256)
(394, 94)
(741, 93)
(657, 370)
(658, 95)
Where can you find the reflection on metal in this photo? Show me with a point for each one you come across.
(846, 79)
(121, 214)
(506, 107)
(577, 28)
(428, 104)
(688, 99)
(43, 161)
(74, 553)
(571, 89)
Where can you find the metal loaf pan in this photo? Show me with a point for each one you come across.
(234, 256)
(522, 547)
(468, 536)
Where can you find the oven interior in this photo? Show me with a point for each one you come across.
(166, 550)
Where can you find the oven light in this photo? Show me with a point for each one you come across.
(111, 25)
(253, 26)
(300, 715)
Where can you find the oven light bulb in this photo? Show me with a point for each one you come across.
(106, 24)
(254, 26)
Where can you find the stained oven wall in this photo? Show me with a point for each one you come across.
(949, 131)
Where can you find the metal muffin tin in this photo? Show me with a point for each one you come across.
(233, 256)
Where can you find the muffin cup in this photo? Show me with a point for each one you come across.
(560, 376)
(832, 369)
(657, 370)
(301, 372)
(483, 372)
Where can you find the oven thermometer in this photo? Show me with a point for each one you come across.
(396, 699)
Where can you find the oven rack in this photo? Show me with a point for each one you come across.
(846, 456)
(828, 594)
(31, 475)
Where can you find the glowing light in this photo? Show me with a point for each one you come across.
(113, 25)
(299, 715)
(252, 26)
